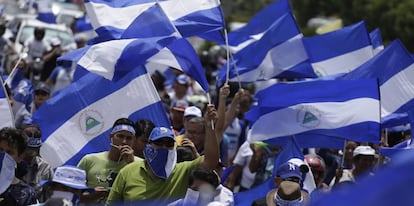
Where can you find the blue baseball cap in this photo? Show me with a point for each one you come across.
(289, 169)
(161, 132)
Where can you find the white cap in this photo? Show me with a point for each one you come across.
(364, 150)
(192, 111)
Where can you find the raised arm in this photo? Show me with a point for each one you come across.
(211, 146)
(221, 110)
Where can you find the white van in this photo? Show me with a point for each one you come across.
(26, 30)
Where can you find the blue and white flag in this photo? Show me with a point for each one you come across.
(6, 115)
(391, 185)
(180, 55)
(257, 25)
(44, 11)
(394, 69)
(332, 108)
(77, 120)
(340, 51)
(113, 18)
(113, 59)
(376, 40)
(278, 51)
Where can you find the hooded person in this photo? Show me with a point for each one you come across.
(159, 177)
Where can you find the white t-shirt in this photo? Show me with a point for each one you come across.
(242, 158)
(36, 48)
(225, 197)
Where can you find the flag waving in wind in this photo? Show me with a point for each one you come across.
(182, 56)
(340, 51)
(113, 59)
(111, 18)
(394, 69)
(258, 24)
(341, 109)
(279, 50)
(77, 120)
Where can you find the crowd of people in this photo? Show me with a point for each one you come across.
(203, 159)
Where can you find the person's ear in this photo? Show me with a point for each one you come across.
(277, 180)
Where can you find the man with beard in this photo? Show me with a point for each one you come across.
(159, 178)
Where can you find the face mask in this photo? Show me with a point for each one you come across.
(161, 161)
(202, 197)
(66, 195)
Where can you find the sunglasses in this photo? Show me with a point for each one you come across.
(166, 143)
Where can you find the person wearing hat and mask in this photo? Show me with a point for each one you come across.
(69, 182)
(38, 169)
(288, 181)
(101, 168)
(364, 162)
(159, 177)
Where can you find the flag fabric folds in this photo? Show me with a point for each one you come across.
(376, 40)
(181, 55)
(340, 51)
(394, 69)
(257, 25)
(113, 18)
(113, 59)
(77, 120)
(279, 51)
(44, 11)
(330, 108)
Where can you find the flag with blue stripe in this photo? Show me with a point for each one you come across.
(394, 69)
(44, 11)
(339, 51)
(181, 55)
(77, 120)
(113, 59)
(376, 40)
(111, 19)
(6, 115)
(258, 24)
(279, 51)
(343, 109)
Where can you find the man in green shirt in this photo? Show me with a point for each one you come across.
(101, 168)
(159, 178)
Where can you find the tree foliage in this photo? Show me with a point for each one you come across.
(395, 18)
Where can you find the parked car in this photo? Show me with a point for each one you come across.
(61, 31)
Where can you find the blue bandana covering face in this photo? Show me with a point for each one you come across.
(281, 202)
(160, 160)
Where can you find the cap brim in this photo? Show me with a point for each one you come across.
(47, 182)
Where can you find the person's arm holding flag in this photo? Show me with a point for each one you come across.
(211, 146)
